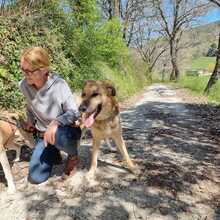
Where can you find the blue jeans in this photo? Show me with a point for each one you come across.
(43, 158)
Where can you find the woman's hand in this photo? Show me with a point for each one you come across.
(27, 125)
(49, 135)
(30, 127)
(78, 123)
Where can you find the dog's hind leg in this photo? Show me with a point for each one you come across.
(83, 134)
(109, 144)
(107, 141)
(18, 153)
(7, 171)
(95, 147)
(123, 150)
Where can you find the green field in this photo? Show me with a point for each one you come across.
(197, 85)
(202, 63)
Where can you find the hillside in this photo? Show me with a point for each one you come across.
(196, 43)
(194, 46)
(203, 37)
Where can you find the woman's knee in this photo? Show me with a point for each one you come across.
(39, 173)
(36, 179)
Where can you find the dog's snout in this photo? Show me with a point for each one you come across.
(82, 108)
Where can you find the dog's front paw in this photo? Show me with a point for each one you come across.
(90, 179)
(90, 175)
(135, 170)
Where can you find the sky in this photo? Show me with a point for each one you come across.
(213, 15)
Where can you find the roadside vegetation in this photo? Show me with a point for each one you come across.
(196, 82)
(203, 63)
(81, 44)
(196, 85)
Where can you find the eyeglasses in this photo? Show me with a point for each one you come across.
(29, 72)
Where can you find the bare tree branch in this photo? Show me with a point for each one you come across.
(174, 17)
(216, 2)
(149, 47)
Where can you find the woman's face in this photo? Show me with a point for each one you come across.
(33, 77)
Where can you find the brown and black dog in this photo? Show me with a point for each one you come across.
(100, 111)
(12, 136)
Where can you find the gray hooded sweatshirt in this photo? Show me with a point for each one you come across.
(54, 101)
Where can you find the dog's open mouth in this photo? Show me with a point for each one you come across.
(89, 118)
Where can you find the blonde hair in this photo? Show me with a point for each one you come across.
(37, 57)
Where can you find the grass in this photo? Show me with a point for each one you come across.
(127, 83)
(202, 63)
(197, 84)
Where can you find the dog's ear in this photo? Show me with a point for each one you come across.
(111, 90)
(86, 82)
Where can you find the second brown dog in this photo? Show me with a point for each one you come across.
(101, 112)
(12, 136)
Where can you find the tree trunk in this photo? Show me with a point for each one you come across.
(116, 8)
(130, 35)
(172, 75)
(110, 9)
(215, 75)
(175, 74)
(125, 28)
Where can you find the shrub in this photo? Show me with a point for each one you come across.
(77, 41)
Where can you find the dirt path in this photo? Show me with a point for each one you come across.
(175, 144)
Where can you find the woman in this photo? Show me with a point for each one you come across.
(51, 110)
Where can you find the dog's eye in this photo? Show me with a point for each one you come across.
(95, 94)
(83, 94)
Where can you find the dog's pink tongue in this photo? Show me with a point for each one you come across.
(89, 121)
